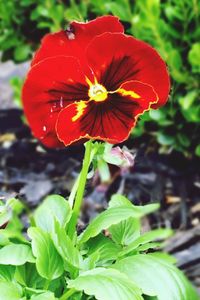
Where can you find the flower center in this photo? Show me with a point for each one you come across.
(98, 92)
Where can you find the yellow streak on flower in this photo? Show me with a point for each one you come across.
(88, 81)
(128, 93)
(80, 110)
(97, 92)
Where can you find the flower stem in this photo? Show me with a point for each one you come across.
(67, 294)
(81, 189)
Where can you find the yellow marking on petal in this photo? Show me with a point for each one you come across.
(88, 81)
(128, 93)
(80, 110)
(97, 92)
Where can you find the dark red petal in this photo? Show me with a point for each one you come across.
(74, 42)
(111, 120)
(50, 86)
(116, 58)
(140, 93)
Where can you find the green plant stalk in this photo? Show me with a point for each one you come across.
(81, 189)
(67, 294)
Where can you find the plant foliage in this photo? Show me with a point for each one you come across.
(109, 259)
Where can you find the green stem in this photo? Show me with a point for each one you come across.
(81, 189)
(67, 294)
(73, 192)
(46, 285)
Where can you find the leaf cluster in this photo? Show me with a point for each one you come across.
(110, 259)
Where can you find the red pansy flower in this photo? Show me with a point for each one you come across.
(92, 82)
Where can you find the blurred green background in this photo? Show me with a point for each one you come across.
(171, 26)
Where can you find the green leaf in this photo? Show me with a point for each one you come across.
(105, 247)
(27, 275)
(114, 215)
(7, 235)
(22, 52)
(106, 284)
(157, 234)
(157, 115)
(10, 291)
(44, 296)
(119, 200)
(157, 277)
(194, 57)
(126, 231)
(90, 262)
(65, 248)
(53, 206)
(165, 140)
(187, 101)
(7, 272)
(197, 150)
(117, 9)
(183, 139)
(16, 255)
(165, 256)
(48, 261)
(103, 169)
(147, 246)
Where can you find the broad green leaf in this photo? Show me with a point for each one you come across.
(16, 254)
(44, 296)
(91, 261)
(126, 231)
(165, 256)
(157, 234)
(157, 277)
(53, 206)
(7, 235)
(10, 291)
(27, 275)
(3, 239)
(112, 216)
(106, 284)
(7, 272)
(65, 247)
(147, 246)
(48, 261)
(105, 247)
(119, 200)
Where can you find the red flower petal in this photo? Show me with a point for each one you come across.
(74, 42)
(110, 120)
(116, 58)
(50, 86)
